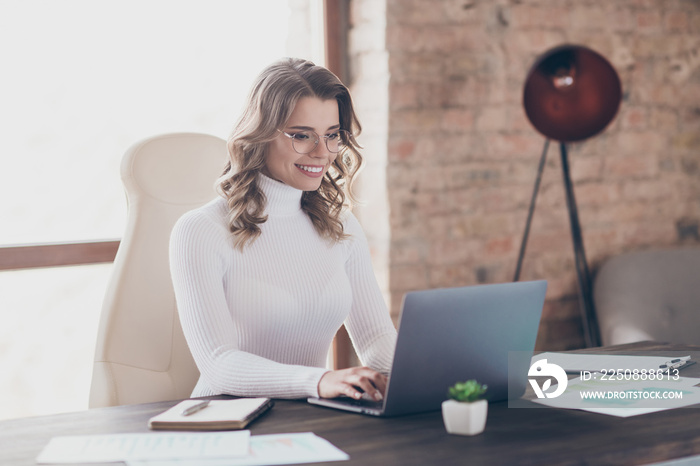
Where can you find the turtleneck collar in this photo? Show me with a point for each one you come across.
(282, 200)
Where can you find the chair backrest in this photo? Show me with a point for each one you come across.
(141, 353)
(649, 295)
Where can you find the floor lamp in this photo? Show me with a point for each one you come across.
(571, 93)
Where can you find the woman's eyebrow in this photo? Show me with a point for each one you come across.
(309, 128)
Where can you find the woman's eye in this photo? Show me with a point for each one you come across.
(333, 136)
(300, 136)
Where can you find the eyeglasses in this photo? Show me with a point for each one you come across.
(304, 142)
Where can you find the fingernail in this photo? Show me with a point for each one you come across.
(378, 396)
(358, 395)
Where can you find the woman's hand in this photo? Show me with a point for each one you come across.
(352, 382)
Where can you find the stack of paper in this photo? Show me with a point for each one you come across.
(617, 385)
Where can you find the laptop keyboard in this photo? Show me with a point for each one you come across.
(364, 403)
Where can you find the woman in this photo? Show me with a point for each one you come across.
(266, 274)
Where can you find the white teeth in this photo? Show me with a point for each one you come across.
(310, 169)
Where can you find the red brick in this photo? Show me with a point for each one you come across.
(492, 118)
(631, 166)
(596, 194)
(499, 246)
(413, 12)
(403, 96)
(664, 119)
(647, 46)
(416, 67)
(542, 243)
(649, 21)
(451, 276)
(497, 199)
(694, 22)
(686, 141)
(466, 91)
(623, 19)
(646, 190)
(515, 145)
(690, 118)
(677, 21)
(457, 120)
(560, 309)
(484, 225)
(586, 168)
(651, 232)
(408, 277)
(430, 204)
(401, 149)
(586, 16)
(453, 251)
(407, 252)
(415, 121)
(471, 175)
(634, 117)
(463, 12)
(639, 143)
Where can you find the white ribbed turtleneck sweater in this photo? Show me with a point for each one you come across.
(260, 322)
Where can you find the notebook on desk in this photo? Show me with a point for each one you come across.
(451, 335)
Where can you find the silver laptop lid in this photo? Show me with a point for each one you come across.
(454, 334)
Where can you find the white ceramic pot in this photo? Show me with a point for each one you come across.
(463, 418)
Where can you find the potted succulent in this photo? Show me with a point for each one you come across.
(464, 413)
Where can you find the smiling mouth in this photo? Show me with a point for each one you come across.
(310, 169)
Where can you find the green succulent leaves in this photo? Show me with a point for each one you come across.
(468, 391)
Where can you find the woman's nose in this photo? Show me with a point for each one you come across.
(320, 151)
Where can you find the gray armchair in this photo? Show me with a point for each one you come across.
(649, 295)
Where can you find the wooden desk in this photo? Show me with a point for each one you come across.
(512, 436)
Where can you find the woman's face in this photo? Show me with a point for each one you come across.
(304, 171)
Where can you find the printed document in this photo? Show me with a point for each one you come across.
(270, 449)
(152, 446)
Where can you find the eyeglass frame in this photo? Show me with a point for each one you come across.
(317, 139)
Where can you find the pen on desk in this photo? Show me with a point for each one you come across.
(673, 363)
(194, 408)
(676, 364)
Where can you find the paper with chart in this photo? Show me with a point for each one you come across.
(618, 385)
(151, 446)
(630, 399)
(269, 450)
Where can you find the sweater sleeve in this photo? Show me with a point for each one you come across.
(369, 325)
(198, 247)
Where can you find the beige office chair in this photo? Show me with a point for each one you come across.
(649, 295)
(141, 353)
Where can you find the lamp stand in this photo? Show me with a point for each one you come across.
(590, 322)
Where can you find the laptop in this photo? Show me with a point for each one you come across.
(451, 335)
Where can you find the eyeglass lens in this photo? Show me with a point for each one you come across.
(305, 142)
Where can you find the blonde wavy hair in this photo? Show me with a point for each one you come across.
(270, 104)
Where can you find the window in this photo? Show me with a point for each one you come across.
(81, 82)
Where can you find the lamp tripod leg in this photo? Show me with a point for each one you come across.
(531, 211)
(590, 321)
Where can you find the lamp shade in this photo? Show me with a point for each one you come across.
(571, 93)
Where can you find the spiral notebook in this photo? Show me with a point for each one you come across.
(218, 415)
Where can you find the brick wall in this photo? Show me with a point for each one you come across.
(453, 158)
